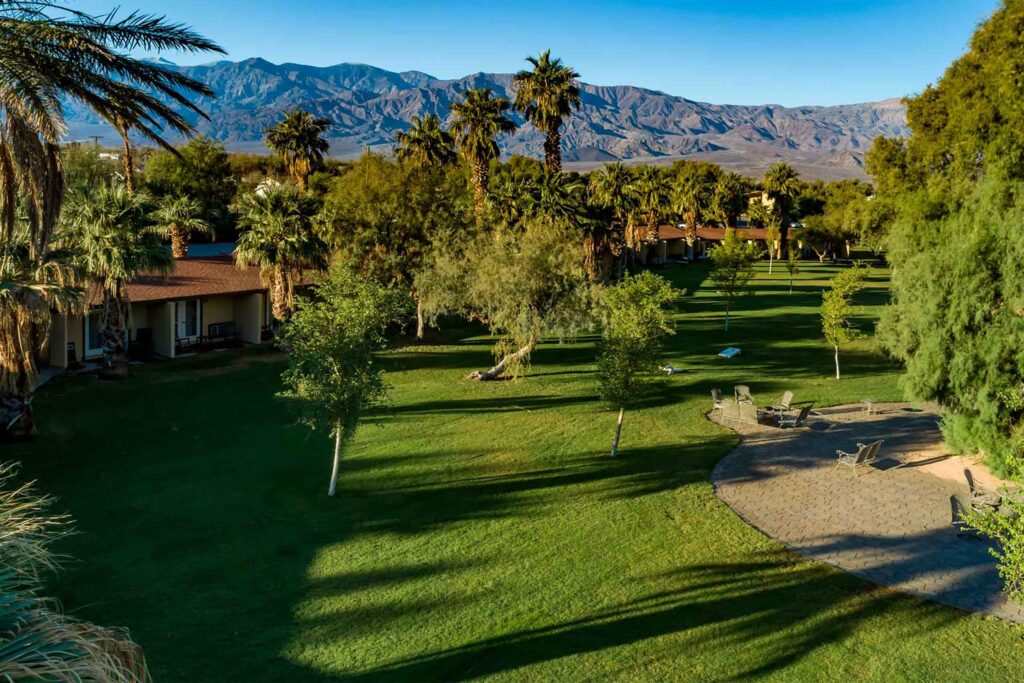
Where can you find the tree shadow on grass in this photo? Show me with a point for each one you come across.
(770, 610)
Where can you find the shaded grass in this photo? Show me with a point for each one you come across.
(480, 530)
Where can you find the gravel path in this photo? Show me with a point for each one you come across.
(891, 527)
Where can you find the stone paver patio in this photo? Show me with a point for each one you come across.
(890, 527)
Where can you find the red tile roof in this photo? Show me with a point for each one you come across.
(192, 278)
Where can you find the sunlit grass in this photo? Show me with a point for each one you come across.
(481, 530)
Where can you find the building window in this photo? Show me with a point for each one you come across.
(93, 333)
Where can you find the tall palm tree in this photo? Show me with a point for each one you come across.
(426, 143)
(114, 231)
(298, 140)
(280, 241)
(180, 217)
(48, 55)
(652, 194)
(545, 96)
(478, 121)
(730, 198)
(782, 185)
(31, 290)
(611, 191)
(693, 198)
(559, 197)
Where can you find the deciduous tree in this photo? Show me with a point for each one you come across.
(732, 268)
(837, 309)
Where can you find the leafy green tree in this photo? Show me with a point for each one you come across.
(635, 323)
(298, 139)
(837, 309)
(782, 185)
(117, 240)
(279, 239)
(767, 217)
(385, 218)
(732, 268)
(477, 121)
(83, 168)
(426, 143)
(523, 285)
(179, 217)
(545, 96)
(200, 170)
(331, 339)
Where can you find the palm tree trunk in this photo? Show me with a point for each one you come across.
(179, 242)
(337, 459)
(783, 240)
(553, 150)
(618, 432)
(510, 358)
(279, 295)
(115, 357)
(129, 163)
(481, 171)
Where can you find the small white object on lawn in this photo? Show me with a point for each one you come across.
(729, 352)
(671, 369)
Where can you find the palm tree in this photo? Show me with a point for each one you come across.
(113, 230)
(298, 140)
(31, 291)
(46, 61)
(280, 241)
(651, 192)
(693, 197)
(478, 121)
(179, 217)
(782, 185)
(611, 191)
(730, 199)
(545, 96)
(559, 197)
(426, 143)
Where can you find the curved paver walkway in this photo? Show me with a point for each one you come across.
(890, 527)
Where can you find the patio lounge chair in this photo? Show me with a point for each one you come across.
(740, 412)
(958, 507)
(981, 499)
(783, 406)
(716, 400)
(798, 421)
(864, 456)
(742, 393)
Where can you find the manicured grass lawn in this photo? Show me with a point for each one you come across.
(481, 530)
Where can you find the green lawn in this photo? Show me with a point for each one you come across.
(481, 530)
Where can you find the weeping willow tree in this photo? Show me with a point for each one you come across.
(523, 285)
(50, 54)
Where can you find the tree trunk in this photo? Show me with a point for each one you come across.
(115, 357)
(337, 459)
(783, 240)
(303, 181)
(553, 151)
(790, 284)
(481, 171)
(837, 361)
(179, 242)
(129, 163)
(618, 432)
(728, 306)
(420, 322)
(502, 366)
(279, 295)
(16, 422)
(771, 258)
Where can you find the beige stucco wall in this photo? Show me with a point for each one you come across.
(57, 342)
(75, 334)
(161, 320)
(217, 309)
(248, 315)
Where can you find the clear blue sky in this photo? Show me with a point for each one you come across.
(789, 52)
